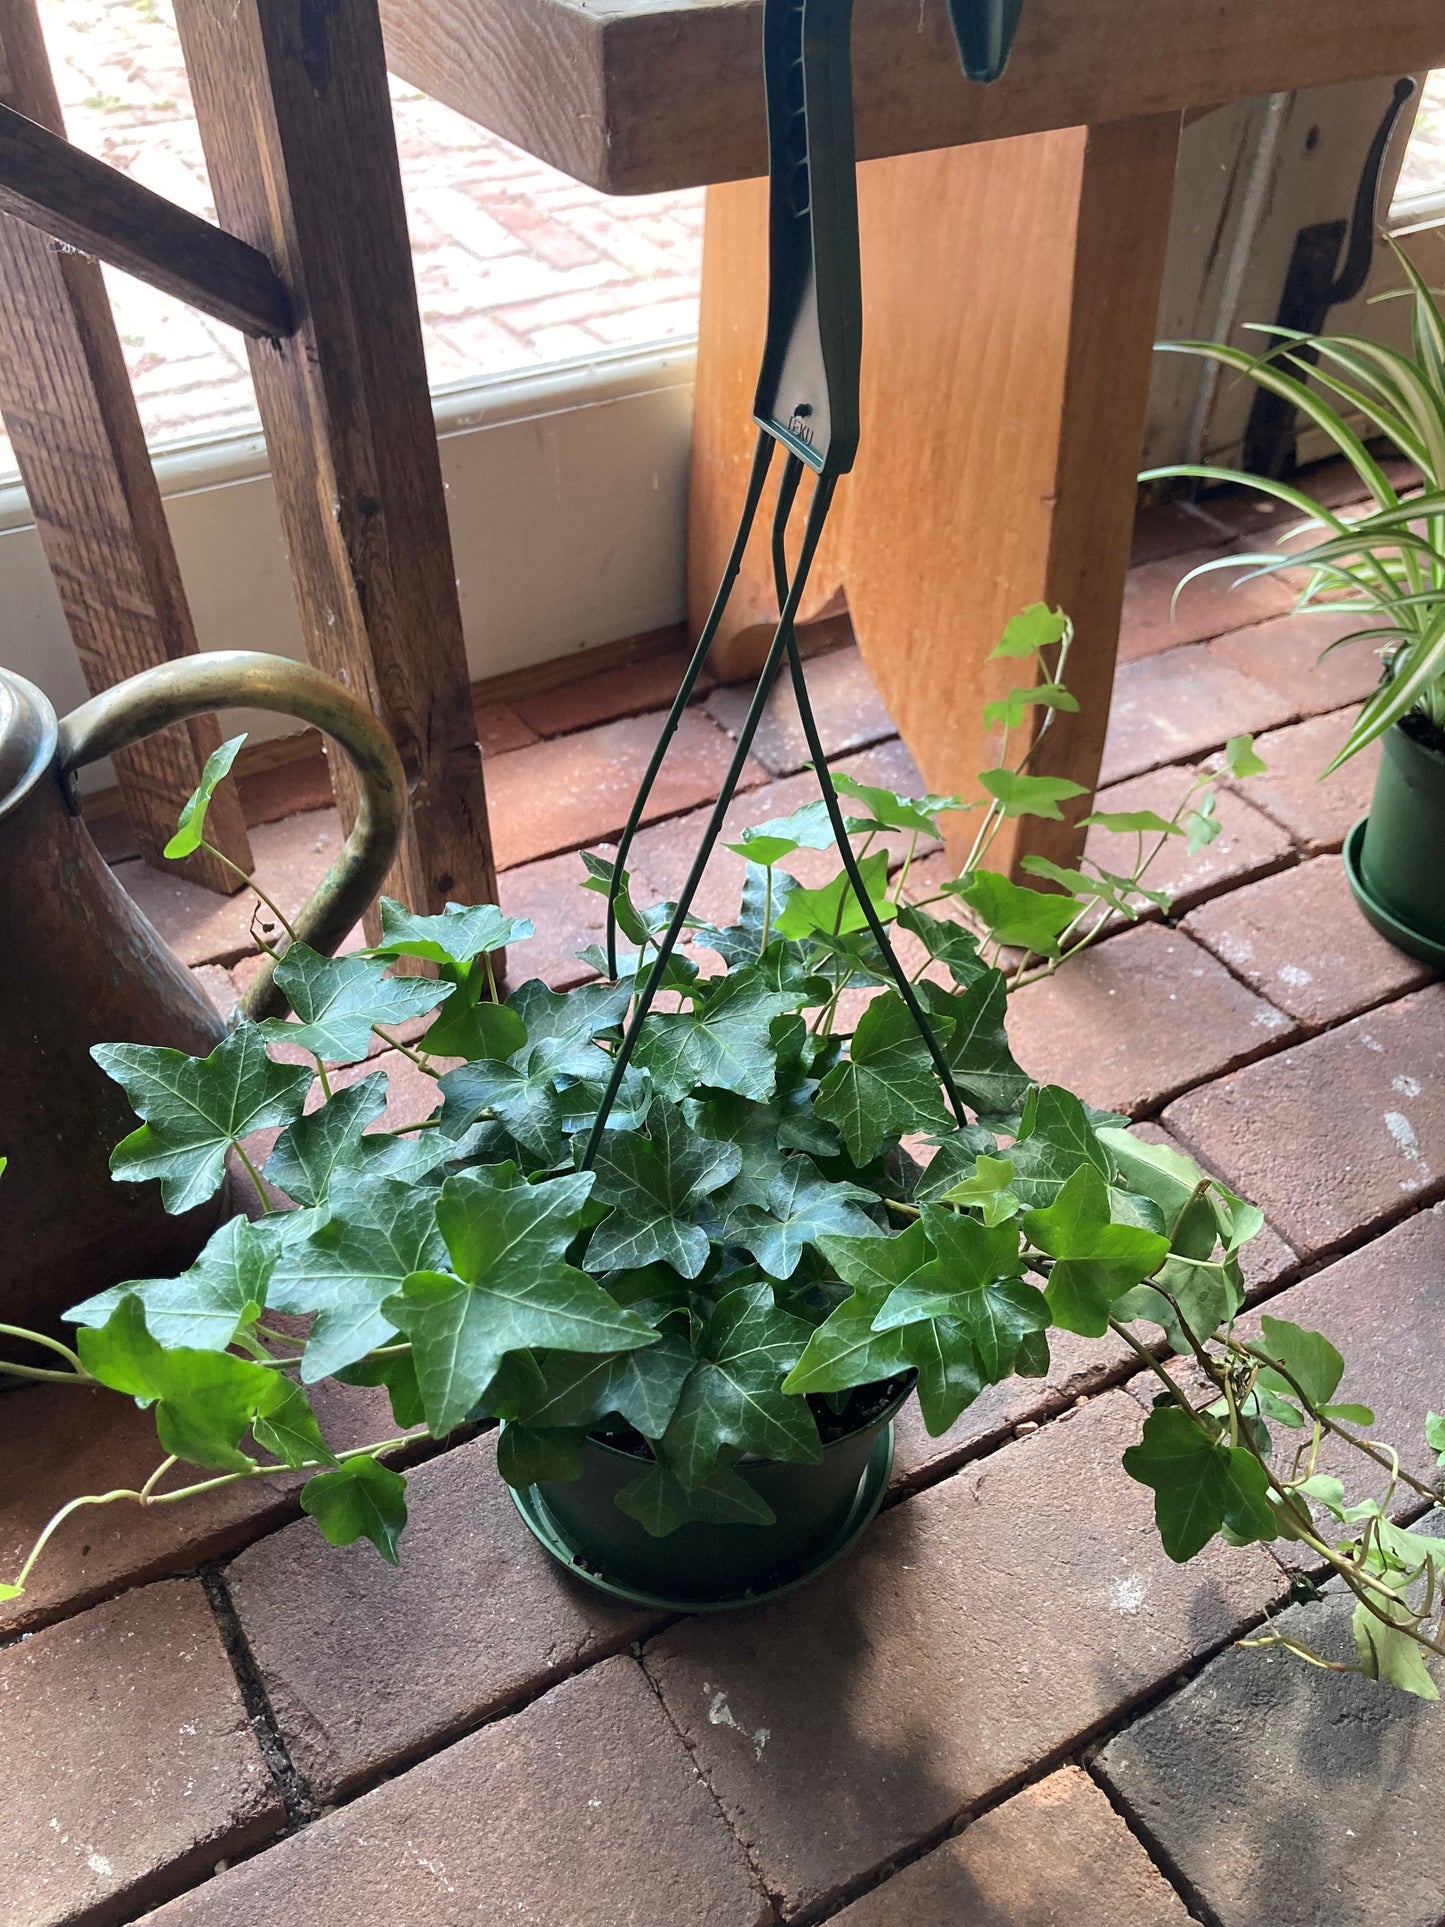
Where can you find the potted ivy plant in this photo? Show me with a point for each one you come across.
(1386, 564)
(693, 1313)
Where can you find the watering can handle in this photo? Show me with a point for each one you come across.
(221, 679)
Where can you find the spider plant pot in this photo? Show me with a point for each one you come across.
(1395, 856)
(820, 1510)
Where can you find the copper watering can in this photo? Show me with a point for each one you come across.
(80, 965)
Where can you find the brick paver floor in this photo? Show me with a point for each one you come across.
(517, 266)
(998, 1713)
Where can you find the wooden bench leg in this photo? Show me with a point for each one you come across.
(1010, 295)
(82, 455)
(296, 123)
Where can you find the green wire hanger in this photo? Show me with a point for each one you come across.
(807, 403)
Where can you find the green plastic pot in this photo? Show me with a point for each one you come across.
(1395, 856)
(820, 1510)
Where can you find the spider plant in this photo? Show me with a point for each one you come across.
(1385, 562)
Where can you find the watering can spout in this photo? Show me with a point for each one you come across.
(81, 966)
(984, 30)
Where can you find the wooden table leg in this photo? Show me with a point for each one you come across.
(82, 455)
(1010, 295)
(296, 123)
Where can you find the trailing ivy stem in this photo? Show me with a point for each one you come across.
(155, 1478)
(236, 870)
(321, 1073)
(903, 1208)
(395, 1043)
(147, 1495)
(1143, 1352)
(767, 906)
(491, 976)
(50, 1344)
(1388, 1461)
(39, 1371)
(254, 1175)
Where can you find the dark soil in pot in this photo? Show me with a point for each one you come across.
(820, 1510)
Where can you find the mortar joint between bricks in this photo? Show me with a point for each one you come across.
(1163, 1863)
(296, 1797)
(774, 1900)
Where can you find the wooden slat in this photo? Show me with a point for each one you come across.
(82, 455)
(79, 200)
(1003, 398)
(638, 95)
(295, 119)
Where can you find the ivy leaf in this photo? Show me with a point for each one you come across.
(509, 1289)
(1131, 823)
(1156, 1171)
(290, 1432)
(397, 1372)
(808, 828)
(950, 1377)
(1199, 1485)
(470, 1025)
(195, 1108)
(845, 1350)
(1435, 1434)
(1009, 711)
(630, 921)
(191, 823)
(1032, 629)
(1014, 915)
(208, 1304)
(361, 1499)
(802, 1207)
(1390, 1655)
(329, 1146)
(576, 1392)
(834, 909)
(950, 942)
(916, 816)
(1096, 1259)
(337, 1000)
(1349, 1414)
(722, 1043)
(887, 1083)
(374, 1235)
(205, 1401)
(311, 1151)
(1202, 825)
(754, 1129)
(655, 1185)
(1023, 795)
(955, 1160)
(660, 1503)
(765, 891)
(1309, 1357)
(731, 1397)
(529, 1454)
(976, 1047)
(522, 1094)
(459, 935)
(569, 1016)
(1242, 759)
(1060, 1140)
(987, 1190)
(973, 1281)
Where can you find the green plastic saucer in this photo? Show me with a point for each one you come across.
(868, 1498)
(1411, 941)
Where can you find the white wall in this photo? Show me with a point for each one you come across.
(567, 497)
